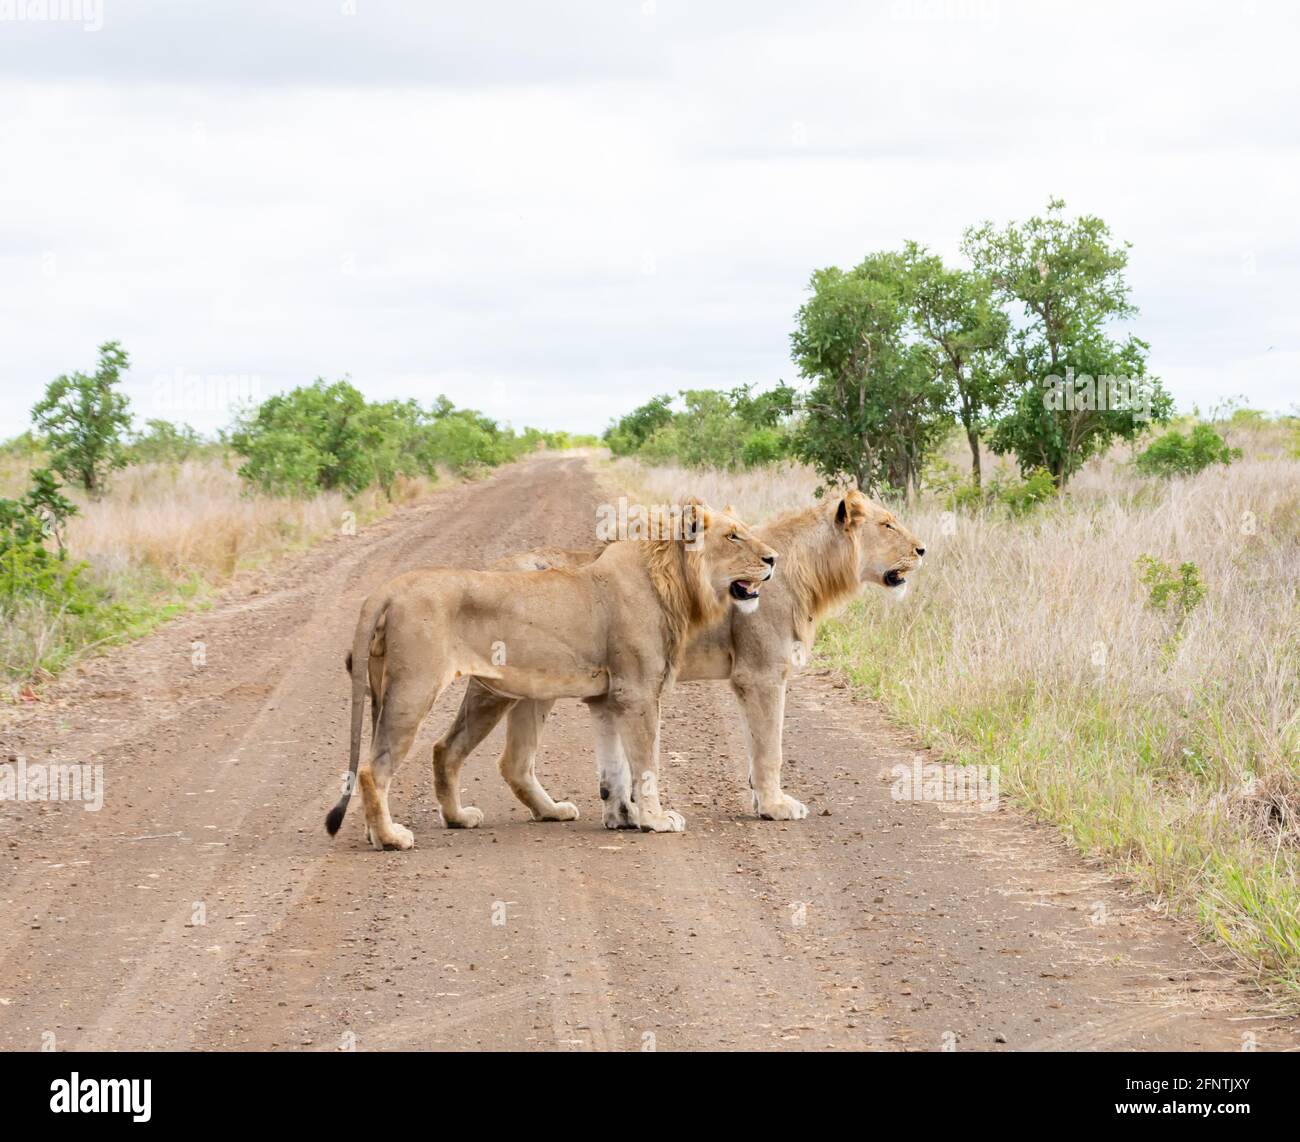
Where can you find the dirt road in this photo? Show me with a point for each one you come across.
(204, 907)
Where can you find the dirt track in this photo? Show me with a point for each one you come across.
(874, 923)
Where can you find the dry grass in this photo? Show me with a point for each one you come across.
(198, 519)
(162, 538)
(1171, 748)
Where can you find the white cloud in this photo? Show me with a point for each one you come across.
(554, 215)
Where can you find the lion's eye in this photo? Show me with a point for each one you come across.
(890, 526)
(734, 537)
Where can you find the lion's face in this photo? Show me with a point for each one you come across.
(736, 561)
(887, 551)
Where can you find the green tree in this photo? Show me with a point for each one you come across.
(764, 423)
(709, 433)
(84, 419)
(876, 408)
(954, 311)
(627, 434)
(325, 436)
(467, 441)
(1067, 275)
(306, 440)
(767, 409)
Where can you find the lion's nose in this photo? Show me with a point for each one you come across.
(770, 560)
(920, 551)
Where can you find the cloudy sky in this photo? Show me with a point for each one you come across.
(554, 211)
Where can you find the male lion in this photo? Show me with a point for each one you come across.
(829, 552)
(609, 632)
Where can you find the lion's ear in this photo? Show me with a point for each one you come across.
(728, 510)
(695, 517)
(851, 511)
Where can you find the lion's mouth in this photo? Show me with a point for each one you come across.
(895, 579)
(744, 590)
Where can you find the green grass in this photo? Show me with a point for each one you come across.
(40, 640)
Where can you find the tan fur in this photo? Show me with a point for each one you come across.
(828, 553)
(609, 630)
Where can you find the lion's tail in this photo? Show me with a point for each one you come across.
(358, 662)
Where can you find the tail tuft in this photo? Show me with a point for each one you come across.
(348, 660)
(335, 818)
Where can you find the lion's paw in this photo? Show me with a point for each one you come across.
(669, 821)
(563, 811)
(786, 809)
(621, 815)
(470, 818)
(399, 839)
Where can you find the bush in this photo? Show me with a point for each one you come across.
(630, 432)
(1178, 593)
(716, 430)
(464, 442)
(1019, 496)
(327, 436)
(29, 570)
(1174, 454)
(24, 446)
(662, 447)
(1022, 496)
(763, 446)
(165, 443)
(305, 440)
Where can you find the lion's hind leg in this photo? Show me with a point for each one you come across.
(402, 708)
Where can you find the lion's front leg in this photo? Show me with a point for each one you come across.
(638, 730)
(617, 800)
(762, 709)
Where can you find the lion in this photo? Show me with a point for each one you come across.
(829, 553)
(609, 631)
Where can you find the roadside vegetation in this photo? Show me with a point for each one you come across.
(107, 529)
(1110, 606)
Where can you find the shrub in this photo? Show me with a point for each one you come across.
(164, 442)
(1022, 496)
(1019, 496)
(763, 446)
(1174, 593)
(24, 446)
(1174, 454)
(28, 568)
(662, 446)
(1177, 593)
(630, 432)
(717, 430)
